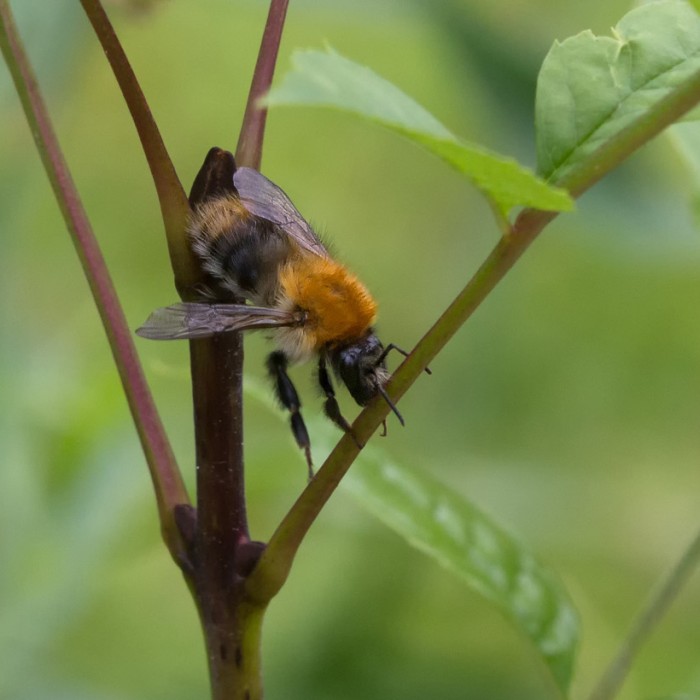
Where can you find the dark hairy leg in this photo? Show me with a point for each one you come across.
(277, 364)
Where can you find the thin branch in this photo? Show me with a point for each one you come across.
(250, 140)
(275, 563)
(650, 616)
(167, 481)
(173, 202)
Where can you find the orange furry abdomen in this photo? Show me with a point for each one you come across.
(338, 307)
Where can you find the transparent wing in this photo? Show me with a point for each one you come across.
(191, 320)
(264, 199)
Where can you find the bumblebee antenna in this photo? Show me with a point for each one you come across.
(392, 406)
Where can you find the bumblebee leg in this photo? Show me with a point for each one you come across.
(330, 407)
(286, 393)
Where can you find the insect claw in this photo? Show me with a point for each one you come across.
(354, 438)
(309, 462)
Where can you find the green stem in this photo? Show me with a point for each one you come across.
(167, 481)
(648, 619)
(275, 564)
(236, 677)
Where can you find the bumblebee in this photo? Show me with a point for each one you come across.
(257, 248)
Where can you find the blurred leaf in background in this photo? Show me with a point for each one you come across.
(327, 79)
(566, 409)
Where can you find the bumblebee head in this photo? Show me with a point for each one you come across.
(360, 365)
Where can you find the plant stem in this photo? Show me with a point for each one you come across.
(647, 620)
(224, 554)
(167, 481)
(250, 140)
(173, 203)
(222, 528)
(220, 552)
(275, 563)
(230, 623)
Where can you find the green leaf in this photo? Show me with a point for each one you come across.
(590, 88)
(451, 530)
(467, 543)
(327, 79)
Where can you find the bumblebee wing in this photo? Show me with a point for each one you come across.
(191, 320)
(264, 199)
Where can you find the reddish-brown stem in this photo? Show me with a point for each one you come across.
(221, 553)
(250, 140)
(224, 554)
(222, 528)
(169, 488)
(173, 202)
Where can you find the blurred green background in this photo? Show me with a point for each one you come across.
(567, 408)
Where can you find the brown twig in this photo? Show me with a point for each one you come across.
(167, 481)
(250, 140)
(225, 555)
(173, 202)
